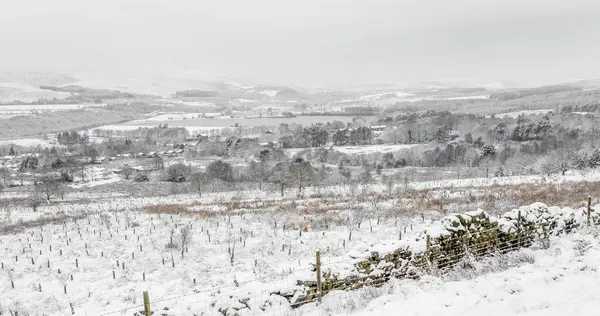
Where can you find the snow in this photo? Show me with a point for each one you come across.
(94, 183)
(570, 176)
(360, 150)
(241, 85)
(261, 266)
(47, 107)
(473, 97)
(524, 112)
(397, 94)
(493, 85)
(270, 93)
(23, 92)
(198, 103)
(583, 113)
(357, 150)
(247, 101)
(120, 127)
(29, 142)
(8, 111)
(559, 282)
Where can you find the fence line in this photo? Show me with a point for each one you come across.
(525, 236)
(450, 261)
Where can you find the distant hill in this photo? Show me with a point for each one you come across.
(584, 84)
(196, 94)
(90, 94)
(521, 93)
(36, 79)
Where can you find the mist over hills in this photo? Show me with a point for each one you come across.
(30, 86)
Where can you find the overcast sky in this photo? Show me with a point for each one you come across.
(308, 42)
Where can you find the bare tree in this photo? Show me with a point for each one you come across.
(231, 241)
(349, 223)
(34, 200)
(389, 182)
(186, 238)
(563, 160)
(198, 181)
(301, 173)
(48, 186)
(127, 171)
(6, 210)
(359, 214)
(4, 175)
(279, 176)
(105, 220)
(258, 171)
(458, 168)
(62, 189)
(159, 163)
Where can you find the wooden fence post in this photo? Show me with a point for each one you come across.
(519, 229)
(427, 245)
(147, 304)
(589, 210)
(318, 266)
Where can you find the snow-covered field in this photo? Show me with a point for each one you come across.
(472, 97)
(270, 254)
(29, 142)
(359, 150)
(113, 252)
(274, 240)
(195, 122)
(570, 176)
(524, 112)
(12, 91)
(7, 111)
(396, 94)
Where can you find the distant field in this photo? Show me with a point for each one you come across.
(36, 124)
(198, 124)
(359, 150)
(7, 111)
(524, 112)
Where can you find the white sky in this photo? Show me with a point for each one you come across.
(308, 42)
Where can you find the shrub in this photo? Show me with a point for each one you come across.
(35, 200)
(66, 176)
(220, 170)
(127, 171)
(141, 178)
(177, 173)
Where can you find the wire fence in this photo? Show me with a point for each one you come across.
(286, 296)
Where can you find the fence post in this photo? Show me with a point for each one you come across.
(519, 229)
(318, 266)
(589, 210)
(427, 244)
(147, 304)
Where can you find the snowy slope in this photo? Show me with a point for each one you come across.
(561, 281)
